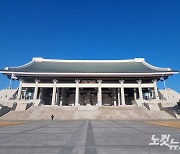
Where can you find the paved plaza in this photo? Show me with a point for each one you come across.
(85, 137)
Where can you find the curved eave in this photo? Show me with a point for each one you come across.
(22, 66)
(42, 74)
(155, 68)
(35, 61)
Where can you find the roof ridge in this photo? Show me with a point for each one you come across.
(39, 59)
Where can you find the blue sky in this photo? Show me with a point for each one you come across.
(90, 29)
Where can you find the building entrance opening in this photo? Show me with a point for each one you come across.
(47, 96)
(129, 95)
(88, 96)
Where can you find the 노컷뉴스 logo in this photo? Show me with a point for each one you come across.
(165, 140)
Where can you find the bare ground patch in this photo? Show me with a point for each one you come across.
(175, 124)
(10, 123)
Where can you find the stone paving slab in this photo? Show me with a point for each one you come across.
(84, 137)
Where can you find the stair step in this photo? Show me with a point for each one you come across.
(70, 113)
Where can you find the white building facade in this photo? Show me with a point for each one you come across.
(82, 82)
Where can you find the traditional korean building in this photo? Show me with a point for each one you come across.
(82, 82)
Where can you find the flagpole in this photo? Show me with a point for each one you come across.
(165, 85)
(163, 79)
(10, 82)
(13, 77)
(165, 90)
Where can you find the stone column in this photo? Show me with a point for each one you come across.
(20, 89)
(119, 97)
(149, 93)
(152, 94)
(57, 97)
(62, 97)
(155, 89)
(135, 94)
(114, 97)
(99, 99)
(25, 93)
(140, 89)
(53, 102)
(77, 93)
(122, 92)
(41, 93)
(35, 89)
(41, 96)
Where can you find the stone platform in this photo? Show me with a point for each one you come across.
(84, 137)
(84, 112)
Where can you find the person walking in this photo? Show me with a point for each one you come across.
(52, 117)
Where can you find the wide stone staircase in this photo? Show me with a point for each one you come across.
(72, 113)
(20, 115)
(60, 113)
(131, 112)
(8, 93)
(170, 95)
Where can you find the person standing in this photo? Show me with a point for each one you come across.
(52, 117)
